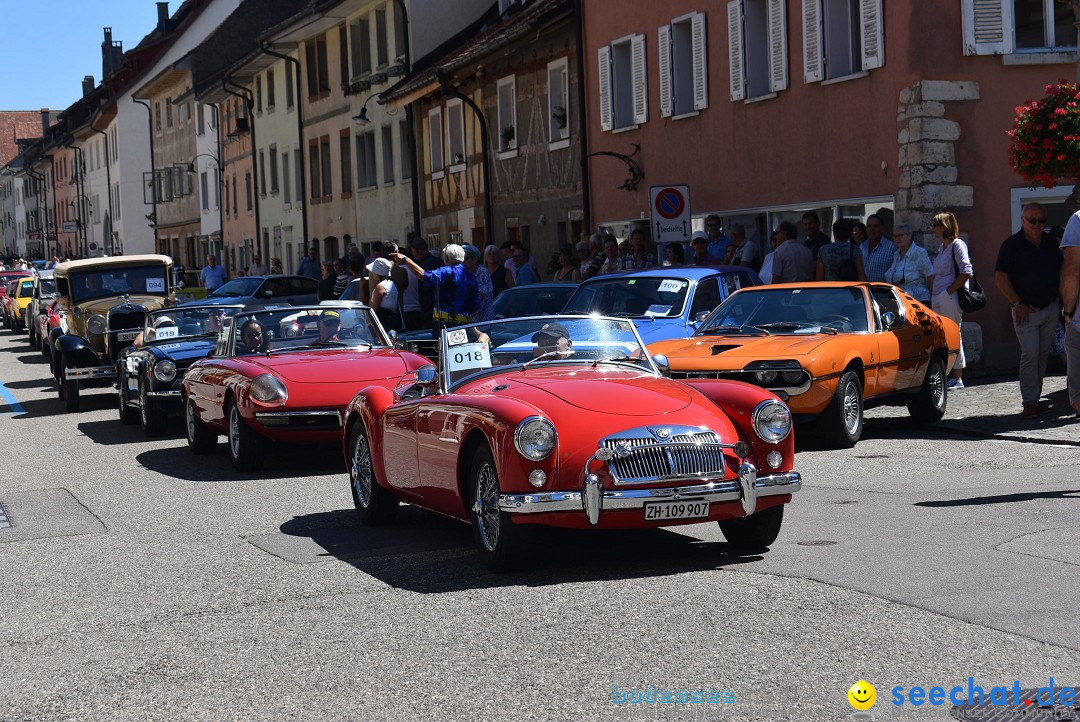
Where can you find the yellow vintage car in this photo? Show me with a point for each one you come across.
(15, 302)
(826, 349)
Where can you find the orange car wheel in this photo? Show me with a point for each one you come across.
(841, 423)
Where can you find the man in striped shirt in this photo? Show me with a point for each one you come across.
(877, 251)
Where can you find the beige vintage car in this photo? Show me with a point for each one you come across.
(102, 304)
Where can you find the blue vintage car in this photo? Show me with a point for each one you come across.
(149, 371)
(665, 302)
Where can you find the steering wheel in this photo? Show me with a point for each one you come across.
(838, 322)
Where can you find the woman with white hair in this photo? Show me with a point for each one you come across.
(911, 266)
(384, 294)
(501, 278)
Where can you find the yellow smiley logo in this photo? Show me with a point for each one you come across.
(862, 695)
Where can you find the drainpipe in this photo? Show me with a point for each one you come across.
(79, 215)
(108, 182)
(485, 156)
(583, 128)
(410, 123)
(219, 252)
(153, 181)
(302, 190)
(249, 101)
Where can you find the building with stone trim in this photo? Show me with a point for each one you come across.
(767, 110)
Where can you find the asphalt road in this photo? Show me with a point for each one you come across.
(141, 582)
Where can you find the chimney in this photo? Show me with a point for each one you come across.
(87, 85)
(163, 16)
(46, 118)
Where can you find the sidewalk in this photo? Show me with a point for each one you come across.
(990, 407)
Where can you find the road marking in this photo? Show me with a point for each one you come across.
(5, 523)
(16, 407)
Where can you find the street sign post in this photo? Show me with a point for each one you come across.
(670, 213)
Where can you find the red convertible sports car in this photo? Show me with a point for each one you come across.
(567, 421)
(286, 375)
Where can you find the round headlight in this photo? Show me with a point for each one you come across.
(268, 389)
(535, 438)
(772, 421)
(792, 377)
(766, 377)
(97, 324)
(165, 370)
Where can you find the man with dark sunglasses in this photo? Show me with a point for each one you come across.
(1028, 273)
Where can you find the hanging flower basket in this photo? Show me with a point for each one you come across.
(1045, 139)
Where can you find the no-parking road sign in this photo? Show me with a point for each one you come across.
(670, 213)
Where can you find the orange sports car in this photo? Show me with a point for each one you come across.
(827, 349)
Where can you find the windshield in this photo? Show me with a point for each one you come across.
(46, 287)
(789, 310)
(108, 281)
(532, 300)
(237, 287)
(653, 296)
(184, 322)
(26, 289)
(540, 341)
(299, 329)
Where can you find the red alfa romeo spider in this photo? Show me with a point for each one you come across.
(567, 421)
(286, 375)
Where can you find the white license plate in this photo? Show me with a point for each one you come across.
(127, 335)
(665, 510)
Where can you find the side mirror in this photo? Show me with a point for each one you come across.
(393, 337)
(661, 363)
(427, 376)
(180, 286)
(888, 320)
(268, 293)
(700, 316)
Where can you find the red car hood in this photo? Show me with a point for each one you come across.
(609, 391)
(333, 365)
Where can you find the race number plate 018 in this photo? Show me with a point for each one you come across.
(665, 510)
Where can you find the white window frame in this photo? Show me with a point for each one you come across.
(636, 82)
(286, 178)
(360, 47)
(455, 111)
(990, 29)
(386, 149)
(670, 51)
(507, 114)
(558, 137)
(871, 41)
(365, 142)
(436, 152)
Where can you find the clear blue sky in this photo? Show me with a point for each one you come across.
(49, 45)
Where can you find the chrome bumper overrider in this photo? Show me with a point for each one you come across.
(592, 500)
(170, 394)
(94, 372)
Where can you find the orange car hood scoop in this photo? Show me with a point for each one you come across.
(619, 393)
(721, 349)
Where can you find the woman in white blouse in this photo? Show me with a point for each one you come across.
(911, 265)
(952, 269)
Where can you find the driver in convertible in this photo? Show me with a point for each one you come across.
(329, 325)
(552, 338)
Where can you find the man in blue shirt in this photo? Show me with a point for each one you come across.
(310, 266)
(718, 242)
(212, 275)
(877, 251)
(457, 294)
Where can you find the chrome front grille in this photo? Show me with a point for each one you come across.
(661, 453)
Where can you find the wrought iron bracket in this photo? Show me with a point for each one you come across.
(636, 173)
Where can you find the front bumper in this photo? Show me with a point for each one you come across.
(593, 500)
(314, 420)
(91, 373)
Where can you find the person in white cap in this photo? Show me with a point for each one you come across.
(384, 294)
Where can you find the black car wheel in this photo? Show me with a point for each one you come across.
(841, 423)
(502, 543)
(68, 389)
(151, 417)
(756, 531)
(929, 405)
(200, 439)
(246, 447)
(127, 414)
(375, 505)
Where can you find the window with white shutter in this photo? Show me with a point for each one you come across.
(812, 65)
(984, 26)
(558, 77)
(640, 84)
(873, 51)
(663, 52)
(735, 50)
(778, 72)
(604, 86)
(1027, 28)
(758, 48)
(627, 82)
